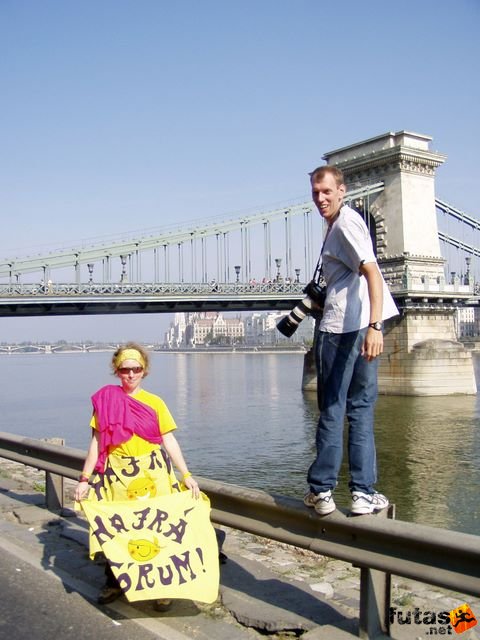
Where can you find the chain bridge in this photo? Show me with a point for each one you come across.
(427, 248)
(253, 262)
(250, 262)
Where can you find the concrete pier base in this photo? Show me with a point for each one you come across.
(309, 376)
(422, 357)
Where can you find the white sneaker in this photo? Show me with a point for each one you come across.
(322, 502)
(367, 502)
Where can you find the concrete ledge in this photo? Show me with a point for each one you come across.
(329, 632)
(258, 598)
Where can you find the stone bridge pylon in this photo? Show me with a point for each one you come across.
(422, 355)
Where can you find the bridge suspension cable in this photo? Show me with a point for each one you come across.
(127, 249)
(459, 244)
(456, 213)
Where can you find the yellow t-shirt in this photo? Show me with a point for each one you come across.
(137, 446)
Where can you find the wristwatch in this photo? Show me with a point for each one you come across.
(378, 326)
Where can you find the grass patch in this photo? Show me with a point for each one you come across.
(405, 600)
(39, 487)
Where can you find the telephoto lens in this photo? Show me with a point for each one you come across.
(289, 324)
(315, 299)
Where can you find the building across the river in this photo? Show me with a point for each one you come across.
(215, 328)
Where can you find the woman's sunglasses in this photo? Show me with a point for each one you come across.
(126, 370)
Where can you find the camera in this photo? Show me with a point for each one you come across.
(314, 301)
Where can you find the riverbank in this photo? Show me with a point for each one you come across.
(330, 581)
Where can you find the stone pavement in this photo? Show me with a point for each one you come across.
(268, 589)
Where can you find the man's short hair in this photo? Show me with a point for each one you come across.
(320, 172)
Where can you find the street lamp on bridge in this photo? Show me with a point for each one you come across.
(466, 280)
(278, 262)
(123, 260)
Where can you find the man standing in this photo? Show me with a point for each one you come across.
(349, 341)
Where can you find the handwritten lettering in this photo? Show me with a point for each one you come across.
(99, 530)
(177, 570)
(155, 520)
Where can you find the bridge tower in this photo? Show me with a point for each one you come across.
(422, 355)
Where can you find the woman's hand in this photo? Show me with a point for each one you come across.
(81, 490)
(192, 484)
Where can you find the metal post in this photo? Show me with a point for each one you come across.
(242, 245)
(138, 256)
(180, 262)
(53, 491)
(165, 263)
(306, 241)
(54, 484)
(204, 262)
(192, 258)
(226, 241)
(246, 261)
(155, 265)
(267, 250)
(107, 269)
(375, 591)
(288, 245)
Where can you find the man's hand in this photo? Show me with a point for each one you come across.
(373, 345)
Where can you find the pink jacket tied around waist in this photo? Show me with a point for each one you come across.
(119, 417)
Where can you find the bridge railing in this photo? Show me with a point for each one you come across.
(105, 289)
(378, 545)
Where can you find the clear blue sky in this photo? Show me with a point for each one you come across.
(123, 115)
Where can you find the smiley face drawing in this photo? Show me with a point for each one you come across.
(142, 550)
(142, 488)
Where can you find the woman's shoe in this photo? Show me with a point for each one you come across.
(108, 594)
(162, 605)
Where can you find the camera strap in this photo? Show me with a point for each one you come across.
(318, 273)
(318, 276)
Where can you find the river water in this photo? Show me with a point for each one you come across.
(243, 419)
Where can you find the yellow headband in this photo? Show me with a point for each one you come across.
(129, 354)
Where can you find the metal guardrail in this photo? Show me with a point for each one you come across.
(379, 546)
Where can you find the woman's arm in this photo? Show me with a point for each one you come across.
(173, 449)
(88, 466)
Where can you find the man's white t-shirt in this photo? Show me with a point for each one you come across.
(348, 245)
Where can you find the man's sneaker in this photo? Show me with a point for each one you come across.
(363, 503)
(322, 502)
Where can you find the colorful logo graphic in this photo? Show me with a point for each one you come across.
(462, 618)
(142, 488)
(143, 550)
